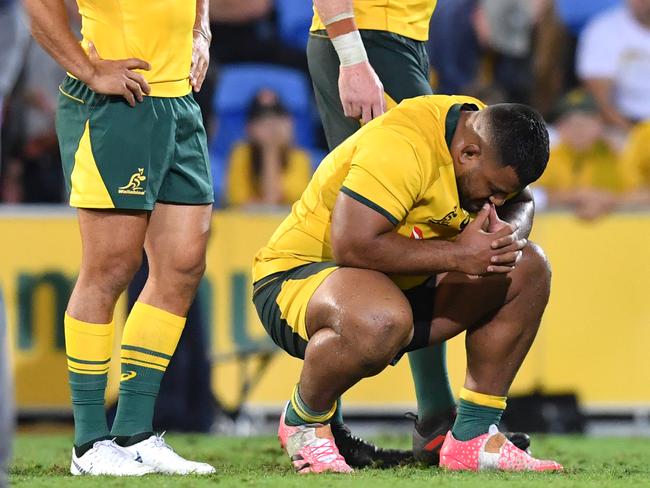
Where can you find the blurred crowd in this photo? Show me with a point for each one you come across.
(585, 64)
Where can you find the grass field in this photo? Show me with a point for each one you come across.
(44, 459)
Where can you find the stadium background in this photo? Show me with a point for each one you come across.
(593, 341)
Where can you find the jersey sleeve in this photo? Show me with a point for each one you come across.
(385, 174)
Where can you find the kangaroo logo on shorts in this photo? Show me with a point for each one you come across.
(134, 186)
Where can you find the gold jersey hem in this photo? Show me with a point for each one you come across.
(262, 269)
(161, 89)
(401, 28)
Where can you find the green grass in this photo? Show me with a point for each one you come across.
(44, 459)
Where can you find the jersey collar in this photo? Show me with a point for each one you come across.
(453, 115)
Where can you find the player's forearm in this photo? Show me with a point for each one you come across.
(202, 21)
(519, 211)
(393, 253)
(338, 17)
(49, 25)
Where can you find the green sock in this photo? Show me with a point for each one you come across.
(337, 418)
(474, 420)
(432, 389)
(138, 392)
(299, 413)
(88, 410)
(148, 342)
(88, 348)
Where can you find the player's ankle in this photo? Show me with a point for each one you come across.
(476, 413)
(299, 413)
(80, 450)
(426, 425)
(130, 440)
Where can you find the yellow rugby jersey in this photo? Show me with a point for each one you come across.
(157, 31)
(408, 18)
(399, 165)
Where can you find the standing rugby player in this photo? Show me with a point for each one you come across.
(134, 156)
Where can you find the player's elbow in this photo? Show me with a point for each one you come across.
(349, 252)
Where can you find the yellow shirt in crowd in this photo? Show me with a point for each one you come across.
(597, 167)
(635, 160)
(399, 165)
(242, 183)
(157, 31)
(408, 18)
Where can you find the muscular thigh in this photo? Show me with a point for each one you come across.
(111, 235)
(295, 304)
(464, 302)
(350, 299)
(177, 235)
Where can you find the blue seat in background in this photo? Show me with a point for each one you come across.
(237, 86)
(575, 14)
(294, 20)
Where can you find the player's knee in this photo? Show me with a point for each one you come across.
(384, 335)
(189, 266)
(535, 263)
(114, 272)
(534, 271)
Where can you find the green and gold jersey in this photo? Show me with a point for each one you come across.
(398, 165)
(408, 18)
(157, 31)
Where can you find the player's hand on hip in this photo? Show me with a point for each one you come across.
(475, 254)
(362, 93)
(200, 59)
(116, 77)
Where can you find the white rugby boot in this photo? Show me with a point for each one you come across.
(157, 454)
(106, 458)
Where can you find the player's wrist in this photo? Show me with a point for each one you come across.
(88, 75)
(454, 256)
(204, 33)
(350, 49)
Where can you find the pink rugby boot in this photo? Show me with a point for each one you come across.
(311, 448)
(489, 451)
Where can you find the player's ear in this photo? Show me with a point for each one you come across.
(470, 153)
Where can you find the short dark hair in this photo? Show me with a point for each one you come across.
(520, 137)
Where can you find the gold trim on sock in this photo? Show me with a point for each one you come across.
(88, 346)
(152, 329)
(143, 364)
(147, 358)
(85, 371)
(483, 399)
(305, 416)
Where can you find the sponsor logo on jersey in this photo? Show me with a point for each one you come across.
(134, 187)
(446, 220)
(416, 233)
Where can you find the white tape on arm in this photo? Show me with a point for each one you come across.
(337, 17)
(350, 48)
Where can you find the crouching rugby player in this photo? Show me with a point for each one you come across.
(396, 245)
